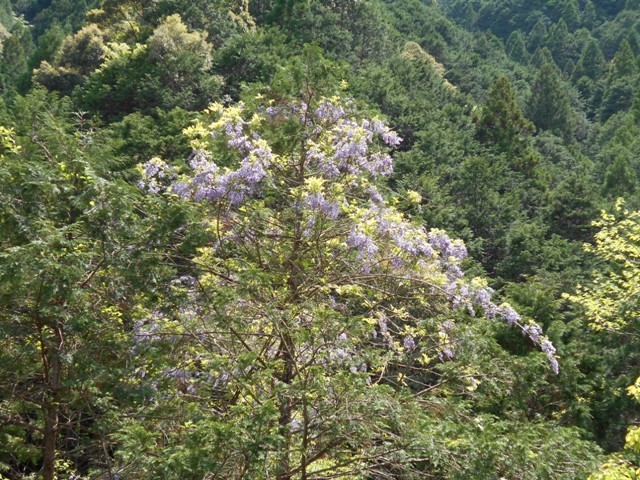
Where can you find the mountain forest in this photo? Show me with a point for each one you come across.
(319, 239)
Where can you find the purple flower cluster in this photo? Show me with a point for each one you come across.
(416, 243)
(272, 112)
(234, 186)
(509, 315)
(446, 354)
(363, 243)
(374, 196)
(156, 176)
(148, 331)
(411, 241)
(340, 353)
(317, 202)
(533, 331)
(329, 112)
(409, 343)
(442, 243)
(325, 165)
(379, 164)
(297, 110)
(483, 297)
(547, 347)
(465, 296)
(351, 142)
(388, 136)
(301, 109)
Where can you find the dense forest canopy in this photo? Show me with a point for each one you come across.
(309, 239)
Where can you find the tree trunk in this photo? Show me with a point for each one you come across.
(52, 372)
(49, 442)
(286, 407)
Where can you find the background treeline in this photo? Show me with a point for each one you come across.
(520, 122)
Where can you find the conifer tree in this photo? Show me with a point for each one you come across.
(470, 17)
(632, 5)
(620, 179)
(621, 82)
(304, 311)
(537, 37)
(542, 56)
(62, 300)
(571, 15)
(588, 17)
(516, 47)
(623, 63)
(549, 107)
(14, 58)
(560, 44)
(591, 62)
(501, 121)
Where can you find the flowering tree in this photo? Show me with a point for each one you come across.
(318, 314)
(610, 303)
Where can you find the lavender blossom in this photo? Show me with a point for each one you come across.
(446, 353)
(329, 112)
(447, 326)
(483, 297)
(554, 364)
(447, 247)
(508, 314)
(547, 347)
(388, 136)
(409, 343)
(533, 331)
(273, 112)
(157, 175)
(317, 202)
(362, 242)
(374, 195)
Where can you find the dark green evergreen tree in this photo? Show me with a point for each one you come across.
(591, 62)
(65, 296)
(549, 107)
(542, 56)
(571, 206)
(621, 82)
(470, 17)
(624, 63)
(15, 54)
(47, 45)
(568, 69)
(516, 47)
(620, 179)
(537, 37)
(501, 121)
(561, 44)
(632, 5)
(588, 17)
(571, 15)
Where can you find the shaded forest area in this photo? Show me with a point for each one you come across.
(228, 239)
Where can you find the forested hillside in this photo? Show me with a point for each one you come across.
(316, 239)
